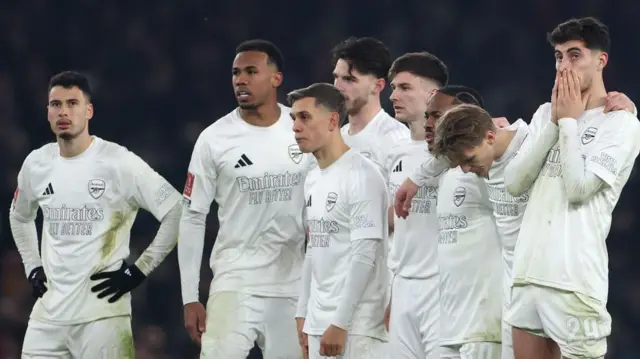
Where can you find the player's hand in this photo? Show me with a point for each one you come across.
(195, 319)
(37, 280)
(571, 104)
(554, 99)
(501, 122)
(404, 196)
(617, 101)
(117, 283)
(387, 316)
(303, 338)
(332, 341)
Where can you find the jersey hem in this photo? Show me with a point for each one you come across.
(466, 341)
(557, 286)
(76, 321)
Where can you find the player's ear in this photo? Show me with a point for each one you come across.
(89, 111)
(490, 137)
(379, 86)
(276, 79)
(334, 121)
(603, 59)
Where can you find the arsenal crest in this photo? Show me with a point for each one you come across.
(588, 135)
(96, 188)
(332, 198)
(458, 196)
(295, 154)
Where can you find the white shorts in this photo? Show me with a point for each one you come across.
(100, 339)
(235, 321)
(415, 318)
(479, 350)
(357, 347)
(578, 323)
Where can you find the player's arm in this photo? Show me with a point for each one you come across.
(199, 193)
(305, 289)
(430, 168)
(614, 144)
(524, 168)
(367, 202)
(153, 193)
(22, 215)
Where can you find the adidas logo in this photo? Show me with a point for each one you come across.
(48, 191)
(309, 202)
(398, 167)
(244, 161)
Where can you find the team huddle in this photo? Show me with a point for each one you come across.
(439, 232)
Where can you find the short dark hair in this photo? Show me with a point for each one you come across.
(70, 79)
(422, 64)
(590, 30)
(273, 52)
(324, 94)
(463, 94)
(462, 127)
(367, 55)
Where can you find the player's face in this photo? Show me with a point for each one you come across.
(409, 96)
(68, 112)
(356, 87)
(437, 105)
(254, 79)
(312, 124)
(478, 159)
(585, 62)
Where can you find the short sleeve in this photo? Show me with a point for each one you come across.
(24, 205)
(148, 189)
(368, 202)
(200, 187)
(616, 147)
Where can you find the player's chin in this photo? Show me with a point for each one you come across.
(65, 134)
(247, 105)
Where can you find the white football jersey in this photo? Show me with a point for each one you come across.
(89, 203)
(508, 210)
(348, 202)
(469, 260)
(256, 176)
(414, 248)
(562, 245)
(376, 139)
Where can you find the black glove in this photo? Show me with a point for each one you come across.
(118, 283)
(37, 279)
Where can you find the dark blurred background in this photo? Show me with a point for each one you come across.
(161, 74)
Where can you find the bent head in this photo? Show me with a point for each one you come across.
(256, 73)
(317, 111)
(442, 101)
(414, 79)
(466, 135)
(583, 46)
(360, 68)
(69, 108)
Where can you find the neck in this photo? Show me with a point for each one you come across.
(75, 146)
(330, 152)
(360, 120)
(503, 140)
(263, 116)
(597, 94)
(416, 127)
